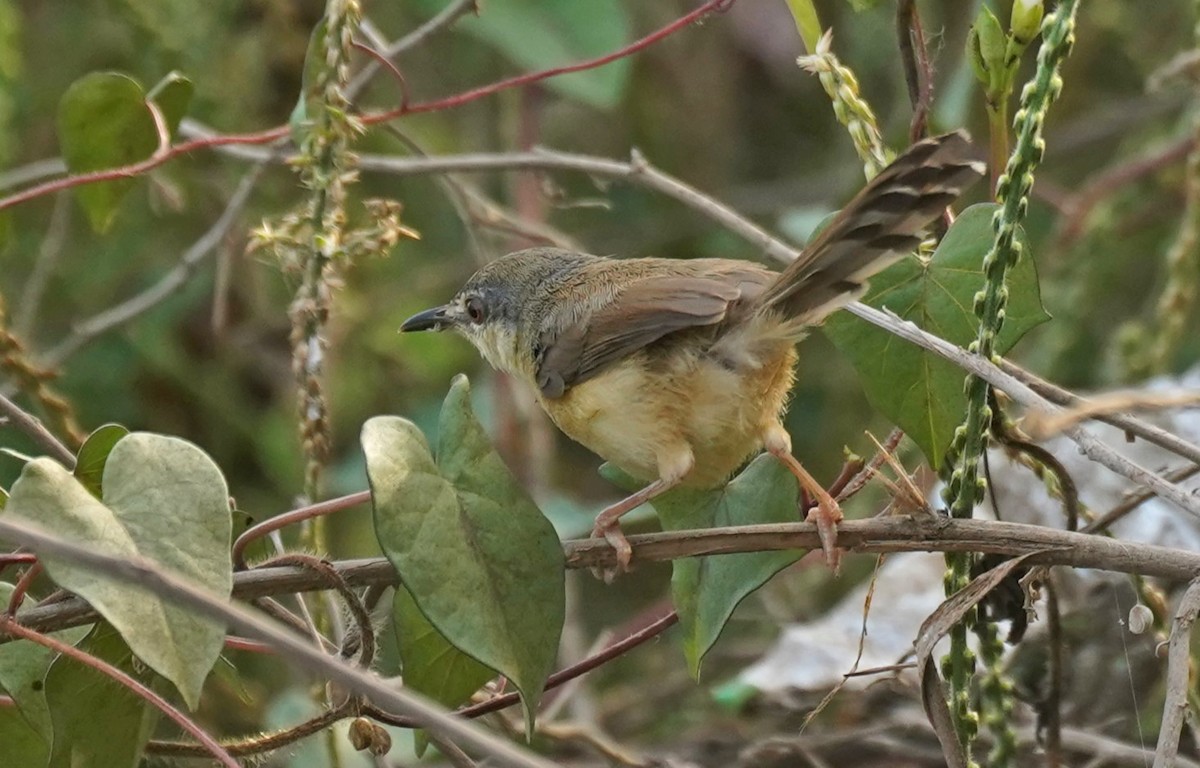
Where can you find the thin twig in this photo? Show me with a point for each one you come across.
(167, 285)
(11, 627)
(1179, 671)
(443, 20)
(1131, 424)
(1108, 181)
(297, 652)
(1021, 393)
(27, 423)
(1135, 500)
(270, 135)
(918, 74)
(49, 253)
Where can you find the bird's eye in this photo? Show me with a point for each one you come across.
(475, 310)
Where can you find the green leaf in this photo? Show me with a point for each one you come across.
(96, 720)
(22, 744)
(163, 500)
(920, 392)
(538, 35)
(431, 665)
(808, 24)
(103, 122)
(3, 498)
(172, 95)
(706, 590)
(93, 454)
(482, 563)
(23, 667)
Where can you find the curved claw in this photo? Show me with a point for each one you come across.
(826, 518)
(616, 539)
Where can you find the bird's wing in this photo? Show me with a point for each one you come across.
(880, 225)
(678, 296)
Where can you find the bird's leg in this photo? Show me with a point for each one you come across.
(827, 513)
(671, 470)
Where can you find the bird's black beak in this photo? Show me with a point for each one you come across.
(430, 320)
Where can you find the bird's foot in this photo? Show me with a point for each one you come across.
(826, 515)
(612, 533)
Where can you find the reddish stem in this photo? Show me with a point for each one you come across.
(21, 588)
(288, 518)
(234, 643)
(16, 558)
(11, 627)
(495, 703)
(279, 132)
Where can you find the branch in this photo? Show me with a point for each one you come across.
(25, 422)
(444, 19)
(874, 535)
(294, 650)
(1179, 670)
(167, 285)
(210, 745)
(283, 131)
(1021, 393)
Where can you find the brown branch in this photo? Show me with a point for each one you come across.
(33, 428)
(168, 285)
(1080, 205)
(255, 745)
(1179, 671)
(889, 534)
(443, 20)
(436, 105)
(1131, 424)
(918, 74)
(168, 586)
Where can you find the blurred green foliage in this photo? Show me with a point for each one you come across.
(720, 105)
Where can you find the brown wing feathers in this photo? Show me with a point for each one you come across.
(881, 224)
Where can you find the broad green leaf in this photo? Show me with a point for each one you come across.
(96, 720)
(103, 122)
(480, 560)
(3, 498)
(706, 590)
(173, 95)
(23, 667)
(22, 744)
(431, 665)
(538, 35)
(163, 500)
(89, 463)
(921, 393)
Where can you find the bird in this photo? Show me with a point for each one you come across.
(678, 371)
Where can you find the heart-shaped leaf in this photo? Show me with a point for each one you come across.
(920, 392)
(96, 720)
(104, 122)
(23, 667)
(163, 500)
(481, 562)
(706, 590)
(93, 454)
(432, 665)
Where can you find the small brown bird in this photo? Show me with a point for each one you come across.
(678, 371)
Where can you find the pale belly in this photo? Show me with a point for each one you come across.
(645, 420)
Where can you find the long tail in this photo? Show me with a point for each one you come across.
(881, 224)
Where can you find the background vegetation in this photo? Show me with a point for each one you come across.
(720, 104)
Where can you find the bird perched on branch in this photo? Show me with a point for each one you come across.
(678, 371)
